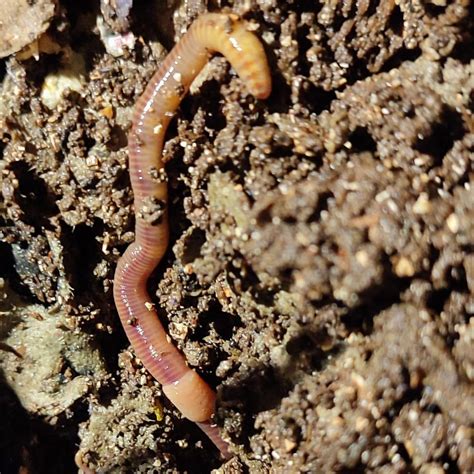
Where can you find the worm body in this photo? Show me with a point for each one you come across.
(211, 32)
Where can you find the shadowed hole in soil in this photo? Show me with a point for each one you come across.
(199, 455)
(374, 300)
(304, 44)
(192, 248)
(433, 10)
(280, 97)
(361, 141)
(305, 348)
(316, 98)
(444, 133)
(404, 453)
(209, 99)
(224, 323)
(122, 181)
(306, 340)
(251, 283)
(4, 139)
(462, 51)
(437, 299)
(372, 8)
(289, 220)
(82, 252)
(307, 6)
(263, 295)
(401, 56)
(322, 205)
(285, 275)
(145, 18)
(264, 216)
(35, 198)
(261, 389)
(395, 21)
(118, 138)
(36, 70)
(282, 145)
(82, 37)
(450, 466)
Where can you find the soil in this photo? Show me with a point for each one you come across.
(321, 272)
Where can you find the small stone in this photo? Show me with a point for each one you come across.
(453, 223)
(363, 258)
(422, 204)
(107, 111)
(179, 331)
(152, 210)
(361, 424)
(289, 445)
(404, 268)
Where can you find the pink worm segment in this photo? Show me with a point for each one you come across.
(211, 32)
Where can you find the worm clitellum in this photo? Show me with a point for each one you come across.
(211, 32)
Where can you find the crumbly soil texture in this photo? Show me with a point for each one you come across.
(321, 270)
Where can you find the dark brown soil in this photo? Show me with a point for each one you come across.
(321, 274)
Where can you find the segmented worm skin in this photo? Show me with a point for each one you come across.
(211, 32)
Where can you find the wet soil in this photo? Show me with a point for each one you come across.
(321, 272)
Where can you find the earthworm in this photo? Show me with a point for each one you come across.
(211, 32)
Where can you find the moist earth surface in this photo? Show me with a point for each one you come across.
(321, 270)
